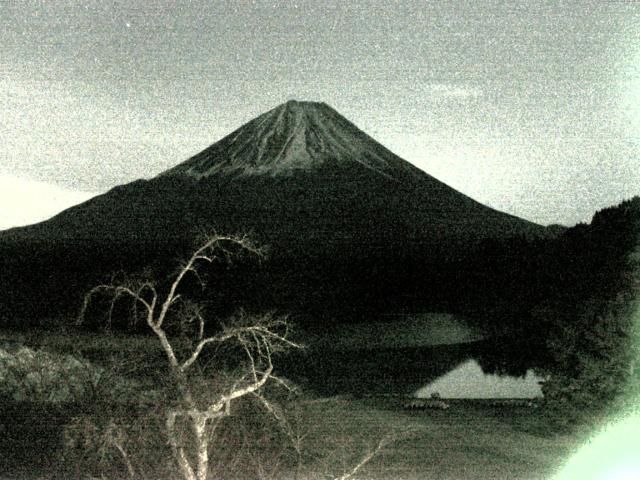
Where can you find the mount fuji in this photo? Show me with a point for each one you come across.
(341, 214)
(300, 164)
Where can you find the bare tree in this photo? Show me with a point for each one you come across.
(258, 337)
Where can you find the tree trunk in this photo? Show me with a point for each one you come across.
(200, 428)
(178, 451)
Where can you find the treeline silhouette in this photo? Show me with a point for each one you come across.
(567, 307)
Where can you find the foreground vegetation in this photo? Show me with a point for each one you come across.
(206, 403)
(186, 398)
(81, 439)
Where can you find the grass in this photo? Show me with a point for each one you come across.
(470, 440)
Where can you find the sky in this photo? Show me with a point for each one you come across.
(530, 107)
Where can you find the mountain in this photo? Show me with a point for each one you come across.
(300, 164)
(343, 216)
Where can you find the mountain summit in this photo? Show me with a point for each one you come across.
(291, 137)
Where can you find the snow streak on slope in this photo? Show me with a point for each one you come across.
(294, 136)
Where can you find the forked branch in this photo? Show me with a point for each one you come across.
(259, 337)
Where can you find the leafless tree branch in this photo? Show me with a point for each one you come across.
(365, 459)
(260, 337)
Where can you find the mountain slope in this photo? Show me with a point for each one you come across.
(299, 166)
(349, 224)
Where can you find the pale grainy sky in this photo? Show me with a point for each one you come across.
(532, 107)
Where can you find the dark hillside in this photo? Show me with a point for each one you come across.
(569, 309)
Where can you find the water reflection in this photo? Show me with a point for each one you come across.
(435, 352)
(468, 380)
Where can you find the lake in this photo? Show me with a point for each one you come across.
(410, 355)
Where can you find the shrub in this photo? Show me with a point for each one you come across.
(39, 376)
